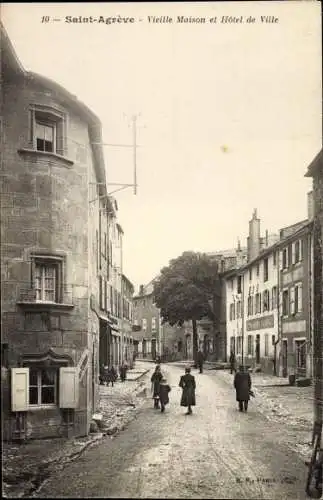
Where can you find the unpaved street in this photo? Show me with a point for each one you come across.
(215, 453)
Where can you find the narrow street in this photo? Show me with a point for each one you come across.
(215, 453)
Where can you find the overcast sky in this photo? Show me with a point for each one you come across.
(230, 113)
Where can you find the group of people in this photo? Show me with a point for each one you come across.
(108, 374)
(161, 389)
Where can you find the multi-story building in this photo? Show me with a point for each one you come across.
(295, 286)
(265, 326)
(56, 255)
(315, 170)
(147, 323)
(127, 311)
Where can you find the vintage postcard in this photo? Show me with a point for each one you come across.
(161, 249)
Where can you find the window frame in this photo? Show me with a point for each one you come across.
(51, 117)
(285, 302)
(266, 269)
(39, 386)
(55, 262)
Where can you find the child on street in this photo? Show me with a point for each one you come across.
(164, 390)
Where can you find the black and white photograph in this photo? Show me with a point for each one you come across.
(161, 250)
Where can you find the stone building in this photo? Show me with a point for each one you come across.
(56, 255)
(268, 301)
(315, 170)
(154, 338)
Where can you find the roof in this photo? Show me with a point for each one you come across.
(12, 67)
(269, 250)
(129, 282)
(316, 165)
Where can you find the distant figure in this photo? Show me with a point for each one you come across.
(187, 383)
(232, 361)
(200, 360)
(156, 378)
(164, 390)
(123, 372)
(242, 385)
(112, 376)
(102, 375)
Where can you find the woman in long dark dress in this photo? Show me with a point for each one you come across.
(155, 380)
(187, 383)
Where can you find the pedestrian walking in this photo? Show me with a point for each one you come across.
(200, 360)
(187, 383)
(164, 390)
(156, 378)
(123, 372)
(232, 361)
(111, 376)
(242, 385)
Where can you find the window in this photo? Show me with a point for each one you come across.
(250, 274)
(250, 345)
(239, 284)
(239, 309)
(144, 324)
(300, 346)
(257, 303)
(45, 136)
(47, 130)
(285, 303)
(153, 324)
(292, 300)
(298, 298)
(266, 344)
(249, 306)
(274, 258)
(239, 345)
(265, 300)
(111, 300)
(232, 312)
(297, 251)
(233, 344)
(273, 339)
(274, 297)
(47, 280)
(42, 386)
(265, 269)
(257, 269)
(285, 258)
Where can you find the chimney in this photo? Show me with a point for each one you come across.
(141, 290)
(310, 205)
(253, 240)
(239, 246)
(266, 244)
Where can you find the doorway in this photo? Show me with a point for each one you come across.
(257, 349)
(284, 357)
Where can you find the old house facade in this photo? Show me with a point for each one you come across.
(268, 302)
(315, 170)
(56, 255)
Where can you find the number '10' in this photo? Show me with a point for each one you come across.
(45, 19)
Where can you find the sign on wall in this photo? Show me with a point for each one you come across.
(260, 323)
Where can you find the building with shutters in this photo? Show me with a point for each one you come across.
(268, 301)
(60, 243)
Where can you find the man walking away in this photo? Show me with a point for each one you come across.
(232, 361)
(187, 383)
(200, 360)
(242, 385)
